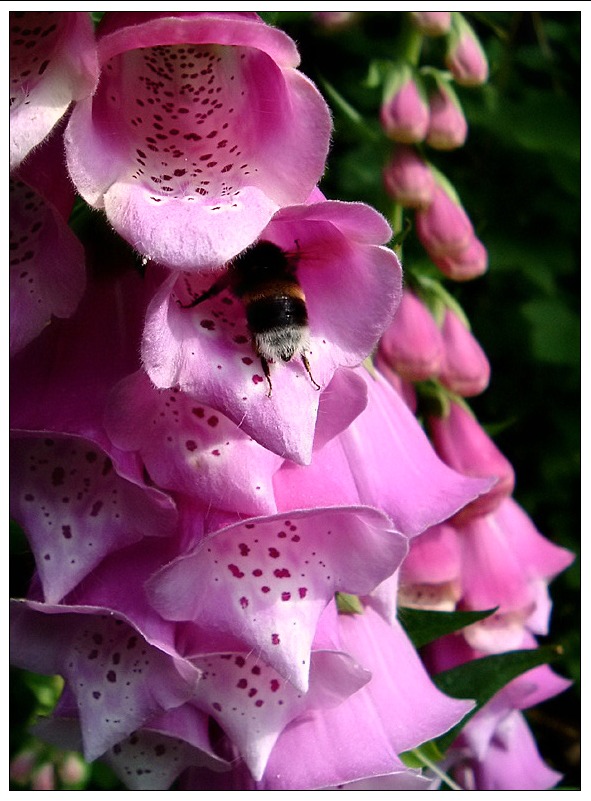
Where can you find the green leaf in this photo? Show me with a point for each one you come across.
(555, 331)
(425, 626)
(482, 678)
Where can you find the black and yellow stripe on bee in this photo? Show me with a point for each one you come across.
(278, 304)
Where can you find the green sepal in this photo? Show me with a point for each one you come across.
(348, 604)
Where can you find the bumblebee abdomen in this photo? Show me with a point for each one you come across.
(276, 311)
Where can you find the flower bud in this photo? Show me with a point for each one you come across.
(468, 263)
(73, 769)
(431, 23)
(44, 778)
(443, 228)
(334, 20)
(408, 179)
(405, 112)
(465, 369)
(413, 345)
(464, 446)
(465, 57)
(447, 124)
(22, 765)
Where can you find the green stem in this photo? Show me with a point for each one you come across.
(436, 769)
(410, 43)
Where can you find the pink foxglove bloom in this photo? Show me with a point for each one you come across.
(47, 270)
(506, 562)
(432, 23)
(463, 444)
(383, 459)
(448, 128)
(412, 345)
(468, 263)
(465, 369)
(211, 130)
(404, 114)
(408, 178)
(443, 228)
(52, 63)
(404, 388)
(352, 287)
(430, 576)
(465, 57)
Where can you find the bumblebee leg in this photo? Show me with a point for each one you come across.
(306, 364)
(217, 287)
(267, 372)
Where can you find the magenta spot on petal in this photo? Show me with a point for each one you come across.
(252, 692)
(216, 452)
(96, 695)
(242, 684)
(282, 535)
(198, 412)
(282, 573)
(191, 445)
(111, 676)
(256, 671)
(247, 360)
(240, 339)
(244, 602)
(296, 538)
(259, 703)
(257, 379)
(285, 596)
(244, 549)
(217, 707)
(274, 685)
(213, 421)
(208, 324)
(257, 572)
(249, 525)
(235, 571)
(275, 639)
(96, 507)
(91, 456)
(240, 661)
(265, 589)
(67, 532)
(274, 553)
(57, 477)
(303, 591)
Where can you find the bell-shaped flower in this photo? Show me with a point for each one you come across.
(412, 344)
(77, 505)
(382, 459)
(408, 178)
(189, 448)
(465, 369)
(265, 581)
(47, 264)
(464, 265)
(403, 387)
(119, 677)
(431, 23)
(352, 287)
(507, 563)
(211, 129)
(465, 446)
(443, 228)
(52, 62)
(465, 57)
(448, 128)
(430, 576)
(404, 113)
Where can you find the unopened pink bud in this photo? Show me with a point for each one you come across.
(443, 228)
(334, 20)
(432, 23)
(465, 57)
(465, 369)
(44, 778)
(469, 263)
(73, 769)
(408, 179)
(464, 445)
(405, 112)
(413, 345)
(22, 765)
(448, 128)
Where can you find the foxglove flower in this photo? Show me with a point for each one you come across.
(412, 344)
(465, 57)
(352, 287)
(47, 269)
(211, 129)
(447, 124)
(464, 265)
(382, 459)
(431, 23)
(52, 62)
(444, 229)
(463, 444)
(430, 576)
(404, 113)
(408, 179)
(465, 369)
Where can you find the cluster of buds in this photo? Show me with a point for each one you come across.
(200, 512)
(489, 556)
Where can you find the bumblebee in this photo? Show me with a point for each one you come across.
(264, 278)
